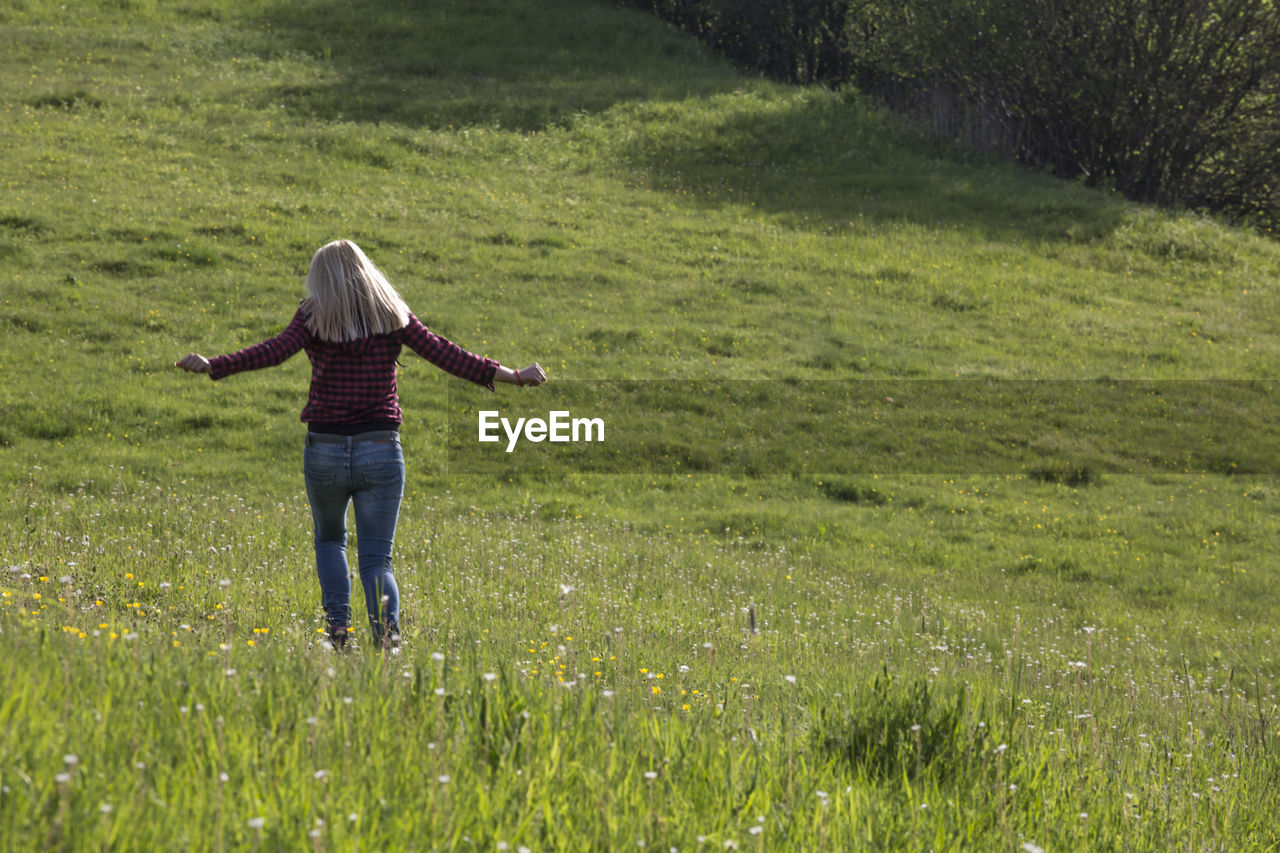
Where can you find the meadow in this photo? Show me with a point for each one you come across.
(1045, 652)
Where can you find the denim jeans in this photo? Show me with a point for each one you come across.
(370, 475)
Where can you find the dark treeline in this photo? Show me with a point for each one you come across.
(1175, 102)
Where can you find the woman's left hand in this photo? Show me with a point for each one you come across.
(193, 362)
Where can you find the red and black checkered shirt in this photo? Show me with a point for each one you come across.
(355, 382)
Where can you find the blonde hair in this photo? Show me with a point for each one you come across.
(349, 298)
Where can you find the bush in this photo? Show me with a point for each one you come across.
(1167, 101)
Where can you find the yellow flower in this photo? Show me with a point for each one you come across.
(655, 689)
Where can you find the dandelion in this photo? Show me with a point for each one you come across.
(106, 808)
(70, 760)
(62, 778)
(756, 830)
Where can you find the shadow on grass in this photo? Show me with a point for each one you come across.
(832, 162)
(521, 65)
(836, 162)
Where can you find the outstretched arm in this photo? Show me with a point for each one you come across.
(266, 354)
(452, 358)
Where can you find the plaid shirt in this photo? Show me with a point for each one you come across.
(355, 382)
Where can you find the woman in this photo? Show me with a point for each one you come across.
(352, 325)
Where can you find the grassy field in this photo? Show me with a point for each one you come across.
(1044, 653)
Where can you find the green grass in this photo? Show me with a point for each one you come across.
(580, 185)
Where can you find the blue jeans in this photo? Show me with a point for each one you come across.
(370, 475)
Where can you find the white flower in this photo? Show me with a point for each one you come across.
(320, 774)
(790, 679)
(437, 657)
(257, 822)
(443, 778)
(1028, 847)
(62, 778)
(71, 760)
(649, 774)
(490, 676)
(756, 830)
(105, 808)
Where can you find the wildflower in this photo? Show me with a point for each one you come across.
(490, 676)
(790, 679)
(257, 822)
(71, 760)
(756, 830)
(1028, 847)
(437, 657)
(443, 779)
(650, 775)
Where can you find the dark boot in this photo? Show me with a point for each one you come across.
(338, 637)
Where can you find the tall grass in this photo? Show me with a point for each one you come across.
(704, 661)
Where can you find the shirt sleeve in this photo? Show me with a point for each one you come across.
(266, 354)
(447, 355)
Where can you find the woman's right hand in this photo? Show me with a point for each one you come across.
(193, 362)
(531, 375)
